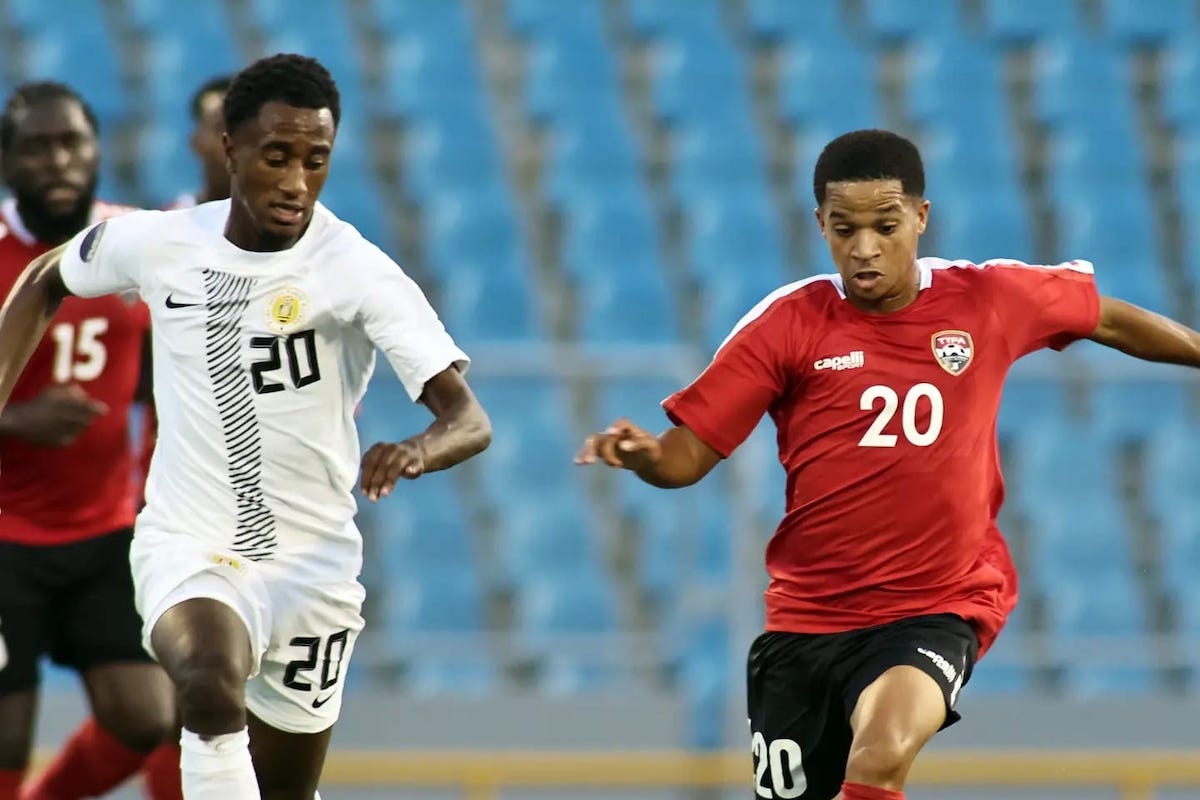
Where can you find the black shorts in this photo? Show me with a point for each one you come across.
(802, 689)
(73, 602)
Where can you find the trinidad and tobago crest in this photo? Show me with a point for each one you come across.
(953, 350)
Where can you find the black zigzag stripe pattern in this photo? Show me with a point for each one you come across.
(227, 297)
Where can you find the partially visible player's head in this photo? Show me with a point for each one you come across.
(281, 117)
(50, 158)
(208, 123)
(870, 187)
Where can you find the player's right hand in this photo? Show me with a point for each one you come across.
(55, 418)
(622, 445)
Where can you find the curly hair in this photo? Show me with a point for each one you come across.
(869, 155)
(28, 95)
(288, 78)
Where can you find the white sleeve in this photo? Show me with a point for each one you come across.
(398, 319)
(104, 258)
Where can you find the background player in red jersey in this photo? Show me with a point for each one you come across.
(66, 490)
(888, 575)
(208, 124)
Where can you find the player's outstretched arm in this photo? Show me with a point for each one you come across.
(671, 460)
(26, 314)
(460, 429)
(1146, 335)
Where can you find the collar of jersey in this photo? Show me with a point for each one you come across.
(923, 269)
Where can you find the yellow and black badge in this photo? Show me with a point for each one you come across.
(286, 310)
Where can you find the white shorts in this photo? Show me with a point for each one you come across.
(301, 635)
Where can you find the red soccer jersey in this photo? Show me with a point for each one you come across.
(887, 429)
(56, 495)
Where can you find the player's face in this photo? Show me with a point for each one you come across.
(52, 163)
(278, 164)
(207, 144)
(872, 228)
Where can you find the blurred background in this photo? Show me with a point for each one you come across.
(593, 192)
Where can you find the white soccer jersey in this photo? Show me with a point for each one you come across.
(260, 360)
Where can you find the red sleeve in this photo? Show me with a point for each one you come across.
(747, 375)
(1048, 306)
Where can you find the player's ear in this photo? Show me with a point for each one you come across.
(820, 220)
(922, 216)
(227, 146)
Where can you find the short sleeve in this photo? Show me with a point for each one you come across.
(398, 319)
(746, 377)
(1044, 306)
(104, 258)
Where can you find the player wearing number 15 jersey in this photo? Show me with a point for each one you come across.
(67, 481)
(267, 313)
(888, 575)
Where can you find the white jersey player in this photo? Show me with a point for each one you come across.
(267, 311)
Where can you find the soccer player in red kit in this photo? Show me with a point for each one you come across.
(888, 575)
(66, 482)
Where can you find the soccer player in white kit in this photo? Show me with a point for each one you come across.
(267, 311)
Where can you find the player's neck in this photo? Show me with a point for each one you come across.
(51, 230)
(899, 300)
(245, 235)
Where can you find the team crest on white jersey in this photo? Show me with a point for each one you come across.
(953, 350)
(286, 310)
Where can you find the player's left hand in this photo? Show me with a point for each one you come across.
(384, 464)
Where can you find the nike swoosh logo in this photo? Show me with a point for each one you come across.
(172, 304)
(320, 701)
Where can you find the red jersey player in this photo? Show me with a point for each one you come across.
(888, 575)
(66, 486)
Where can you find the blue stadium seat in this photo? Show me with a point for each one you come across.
(1118, 235)
(963, 158)
(831, 81)
(735, 245)
(1063, 461)
(1180, 549)
(1041, 401)
(624, 309)
(993, 224)
(446, 21)
(1097, 159)
(434, 601)
(1132, 411)
(1077, 80)
(546, 538)
(699, 74)
(424, 73)
(454, 155)
(483, 307)
(471, 228)
(766, 491)
(165, 166)
(590, 160)
(1078, 541)
(1105, 681)
(1003, 670)
(323, 32)
(1172, 464)
(1097, 606)
(953, 78)
(890, 21)
(559, 70)
(461, 674)
(773, 20)
(717, 156)
(657, 17)
(1180, 70)
(1148, 23)
(611, 234)
(703, 666)
(549, 607)
(185, 60)
(79, 53)
(540, 18)
(1024, 21)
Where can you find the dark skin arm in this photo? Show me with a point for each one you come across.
(460, 429)
(673, 459)
(1145, 335)
(25, 316)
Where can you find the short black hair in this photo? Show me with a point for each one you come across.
(28, 95)
(870, 155)
(219, 85)
(288, 78)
